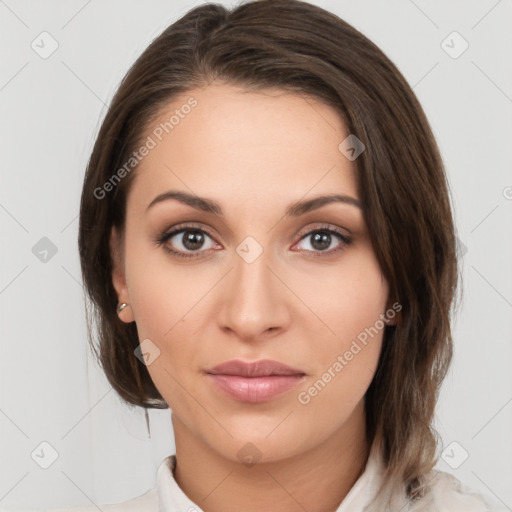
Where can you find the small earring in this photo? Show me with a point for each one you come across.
(121, 307)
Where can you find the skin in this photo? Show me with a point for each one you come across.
(254, 153)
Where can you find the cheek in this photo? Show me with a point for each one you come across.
(352, 305)
(331, 397)
(162, 291)
(346, 366)
(348, 300)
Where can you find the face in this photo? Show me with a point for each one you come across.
(249, 280)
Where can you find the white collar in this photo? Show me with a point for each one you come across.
(173, 499)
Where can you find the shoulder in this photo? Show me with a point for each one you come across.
(449, 494)
(147, 502)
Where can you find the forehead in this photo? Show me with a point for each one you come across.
(227, 140)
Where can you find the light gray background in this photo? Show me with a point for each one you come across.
(51, 109)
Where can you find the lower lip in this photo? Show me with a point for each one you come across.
(255, 389)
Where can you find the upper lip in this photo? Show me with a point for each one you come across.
(263, 367)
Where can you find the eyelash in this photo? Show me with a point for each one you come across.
(166, 235)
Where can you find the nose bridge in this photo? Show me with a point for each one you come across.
(255, 299)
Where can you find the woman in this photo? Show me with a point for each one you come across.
(267, 241)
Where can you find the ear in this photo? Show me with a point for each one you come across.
(119, 276)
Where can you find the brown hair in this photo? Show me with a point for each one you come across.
(298, 47)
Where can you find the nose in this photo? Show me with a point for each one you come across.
(254, 300)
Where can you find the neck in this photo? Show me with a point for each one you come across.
(316, 480)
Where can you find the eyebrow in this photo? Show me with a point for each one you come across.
(293, 210)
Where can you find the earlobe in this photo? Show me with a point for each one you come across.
(119, 278)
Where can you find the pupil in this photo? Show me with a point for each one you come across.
(193, 240)
(321, 240)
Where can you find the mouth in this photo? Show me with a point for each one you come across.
(254, 382)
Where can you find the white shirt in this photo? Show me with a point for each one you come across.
(448, 494)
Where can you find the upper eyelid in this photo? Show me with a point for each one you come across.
(179, 228)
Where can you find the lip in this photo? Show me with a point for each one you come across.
(260, 368)
(256, 381)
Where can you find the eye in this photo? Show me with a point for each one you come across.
(188, 240)
(323, 238)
